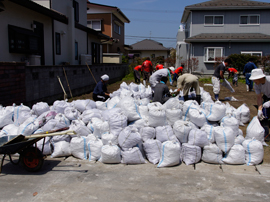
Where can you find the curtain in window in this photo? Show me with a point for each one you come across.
(219, 20)
(244, 20)
(208, 20)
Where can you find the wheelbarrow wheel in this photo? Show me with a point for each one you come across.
(31, 159)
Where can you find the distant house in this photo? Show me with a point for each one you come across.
(149, 48)
(110, 21)
(48, 32)
(219, 28)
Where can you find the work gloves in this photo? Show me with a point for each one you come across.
(266, 104)
(260, 115)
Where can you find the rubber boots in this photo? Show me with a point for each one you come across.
(198, 99)
(186, 98)
(247, 87)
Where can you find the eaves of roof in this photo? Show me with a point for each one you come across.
(229, 37)
(43, 10)
(91, 31)
(225, 5)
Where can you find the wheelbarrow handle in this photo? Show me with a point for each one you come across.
(69, 132)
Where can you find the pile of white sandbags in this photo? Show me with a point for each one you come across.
(128, 128)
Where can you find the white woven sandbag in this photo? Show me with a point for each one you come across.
(235, 156)
(191, 154)
(82, 105)
(109, 137)
(239, 138)
(240, 132)
(181, 130)
(6, 115)
(78, 147)
(140, 123)
(209, 129)
(99, 126)
(115, 93)
(143, 102)
(152, 148)
(21, 113)
(79, 128)
(110, 154)
(60, 105)
(130, 108)
(134, 86)
(212, 154)
(190, 104)
(40, 107)
(9, 130)
(129, 137)
(71, 113)
(124, 85)
(165, 133)
(94, 148)
(244, 113)
(61, 149)
(88, 114)
(47, 149)
(206, 97)
(147, 93)
(206, 106)
(117, 123)
(156, 115)
(53, 124)
(45, 117)
(112, 103)
(170, 155)
(62, 118)
(106, 114)
(101, 105)
(144, 112)
(125, 93)
(28, 127)
(224, 138)
(253, 151)
(132, 156)
(217, 111)
(197, 116)
(233, 112)
(198, 137)
(147, 133)
(173, 103)
(173, 115)
(231, 122)
(255, 130)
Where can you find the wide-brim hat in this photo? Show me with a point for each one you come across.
(256, 74)
(171, 68)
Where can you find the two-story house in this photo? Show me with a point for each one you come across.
(216, 29)
(47, 32)
(108, 20)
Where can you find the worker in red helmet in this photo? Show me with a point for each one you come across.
(233, 73)
(159, 66)
(176, 73)
(137, 73)
(147, 68)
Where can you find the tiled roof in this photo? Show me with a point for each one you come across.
(148, 44)
(226, 37)
(224, 5)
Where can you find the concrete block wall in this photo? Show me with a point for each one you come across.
(40, 83)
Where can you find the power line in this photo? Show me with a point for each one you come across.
(153, 11)
(155, 21)
(151, 37)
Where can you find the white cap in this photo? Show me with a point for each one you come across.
(171, 68)
(256, 74)
(105, 77)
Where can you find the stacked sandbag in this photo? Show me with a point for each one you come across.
(9, 131)
(71, 113)
(165, 133)
(157, 115)
(99, 126)
(152, 148)
(78, 147)
(147, 133)
(217, 111)
(112, 103)
(254, 151)
(244, 113)
(197, 116)
(235, 156)
(255, 130)
(21, 113)
(209, 129)
(28, 127)
(40, 108)
(230, 121)
(132, 156)
(224, 138)
(173, 115)
(62, 118)
(94, 147)
(88, 114)
(170, 156)
(190, 104)
(82, 105)
(6, 116)
(191, 154)
(129, 137)
(60, 105)
(144, 112)
(212, 154)
(110, 154)
(198, 138)
(107, 137)
(61, 149)
(117, 122)
(181, 130)
(79, 128)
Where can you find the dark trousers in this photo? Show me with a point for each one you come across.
(102, 98)
(265, 123)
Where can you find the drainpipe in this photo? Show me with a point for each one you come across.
(71, 35)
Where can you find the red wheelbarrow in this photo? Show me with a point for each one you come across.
(31, 157)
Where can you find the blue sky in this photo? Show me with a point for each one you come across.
(155, 19)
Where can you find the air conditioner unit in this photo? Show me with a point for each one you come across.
(34, 60)
(86, 59)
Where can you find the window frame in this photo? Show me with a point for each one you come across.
(57, 43)
(249, 24)
(214, 20)
(252, 52)
(207, 49)
(117, 31)
(76, 10)
(92, 24)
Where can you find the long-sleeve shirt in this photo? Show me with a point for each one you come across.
(147, 66)
(161, 93)
(249, 67)
(178, 70)
(100, 88)
(184, 79)
(156, 77)
(138, 68)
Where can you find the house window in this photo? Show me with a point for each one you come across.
(249, 19)
(211, 53)
(94, 24)
(23, 40)
(76, 51)
(117, 28)
(76, 11)
(57, 44)
(253, 53)
(213, 20)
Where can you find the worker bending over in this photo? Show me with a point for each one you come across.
(100, 92)
(162, 93)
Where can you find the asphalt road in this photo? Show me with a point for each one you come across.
(76, 180)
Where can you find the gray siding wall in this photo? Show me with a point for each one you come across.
(231, 22)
